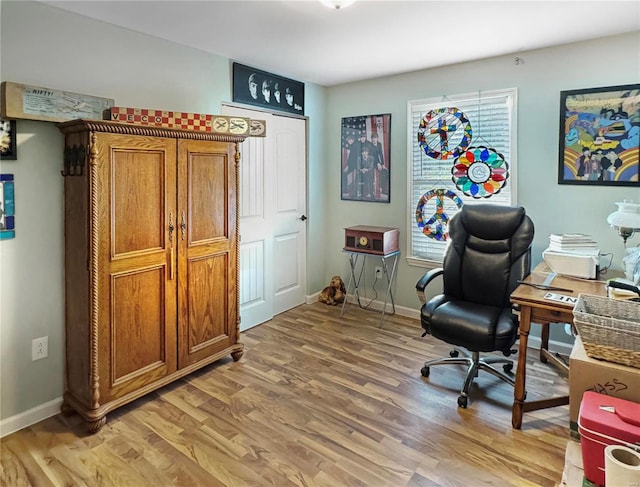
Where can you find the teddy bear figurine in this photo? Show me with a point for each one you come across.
(334, 293)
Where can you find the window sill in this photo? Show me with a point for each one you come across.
(426, 264)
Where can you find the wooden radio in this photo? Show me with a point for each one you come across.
(371, 240)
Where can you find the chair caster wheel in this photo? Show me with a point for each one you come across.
(462, 401)
(508, 367)
(424, 371)
(453, 353)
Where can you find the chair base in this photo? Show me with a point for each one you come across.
(474, 363)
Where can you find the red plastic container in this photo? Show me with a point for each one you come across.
(603, 421)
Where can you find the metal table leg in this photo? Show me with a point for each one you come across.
(353, 262)
(389, 278)
(355, 279)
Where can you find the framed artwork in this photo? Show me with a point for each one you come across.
(8, 146)
(600, 136)
(255, 87)
(7, 207)
(365, 158)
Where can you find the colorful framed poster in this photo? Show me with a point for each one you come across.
(7, 207)
(8, 146)
(255, 87)
(600, 136)
(365, 158)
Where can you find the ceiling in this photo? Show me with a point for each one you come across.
(310, 42)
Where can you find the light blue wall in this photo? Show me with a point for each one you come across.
(44, 46)
(539, 78)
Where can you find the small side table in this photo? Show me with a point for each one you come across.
(386, 261)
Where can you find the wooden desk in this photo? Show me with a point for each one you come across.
(534, 308)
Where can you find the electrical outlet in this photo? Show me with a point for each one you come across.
(39, 348)
(378, 272)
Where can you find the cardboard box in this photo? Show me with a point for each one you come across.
(573, 474)
(588, 374)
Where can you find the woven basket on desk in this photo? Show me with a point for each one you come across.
(609, 328)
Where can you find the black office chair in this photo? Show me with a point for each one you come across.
(490, 250)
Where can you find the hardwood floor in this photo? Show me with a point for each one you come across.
(315, 401)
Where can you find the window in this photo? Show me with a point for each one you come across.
(431, 187)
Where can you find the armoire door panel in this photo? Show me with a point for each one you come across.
(207, 176)
(207, 261)
(206, 326)
(142, 330)
(139, 177)
(138, 191)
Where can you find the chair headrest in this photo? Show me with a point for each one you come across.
(491, 222)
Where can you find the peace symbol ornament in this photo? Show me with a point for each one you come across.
(436, 226)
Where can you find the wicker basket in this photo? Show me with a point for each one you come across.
(609, 328)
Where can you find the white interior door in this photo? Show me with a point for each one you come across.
(272, 234)
(290, 228)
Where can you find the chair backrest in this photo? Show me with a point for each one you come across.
(490, 251)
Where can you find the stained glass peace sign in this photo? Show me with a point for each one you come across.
(480, 172)
(444, 133)
(437, 225)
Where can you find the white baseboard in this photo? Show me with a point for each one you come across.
(554, 345)
(29, 417)
(533, 342)
(51, 408)
(375, 305)
(312, 298)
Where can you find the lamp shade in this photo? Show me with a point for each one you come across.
(627, 216)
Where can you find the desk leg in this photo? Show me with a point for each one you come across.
(544, 339)
(521, 372)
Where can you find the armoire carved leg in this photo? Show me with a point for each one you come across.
(236, 355)
(95, 425)
(66, 409)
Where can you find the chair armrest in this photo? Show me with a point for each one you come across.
(424, 282)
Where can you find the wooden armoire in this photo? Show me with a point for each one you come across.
(151, 259)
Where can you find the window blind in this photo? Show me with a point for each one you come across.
(492, 116)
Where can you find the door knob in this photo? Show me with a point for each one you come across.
(302, 218)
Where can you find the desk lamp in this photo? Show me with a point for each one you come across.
(626, 219)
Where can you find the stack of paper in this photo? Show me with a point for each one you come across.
(573, 243)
